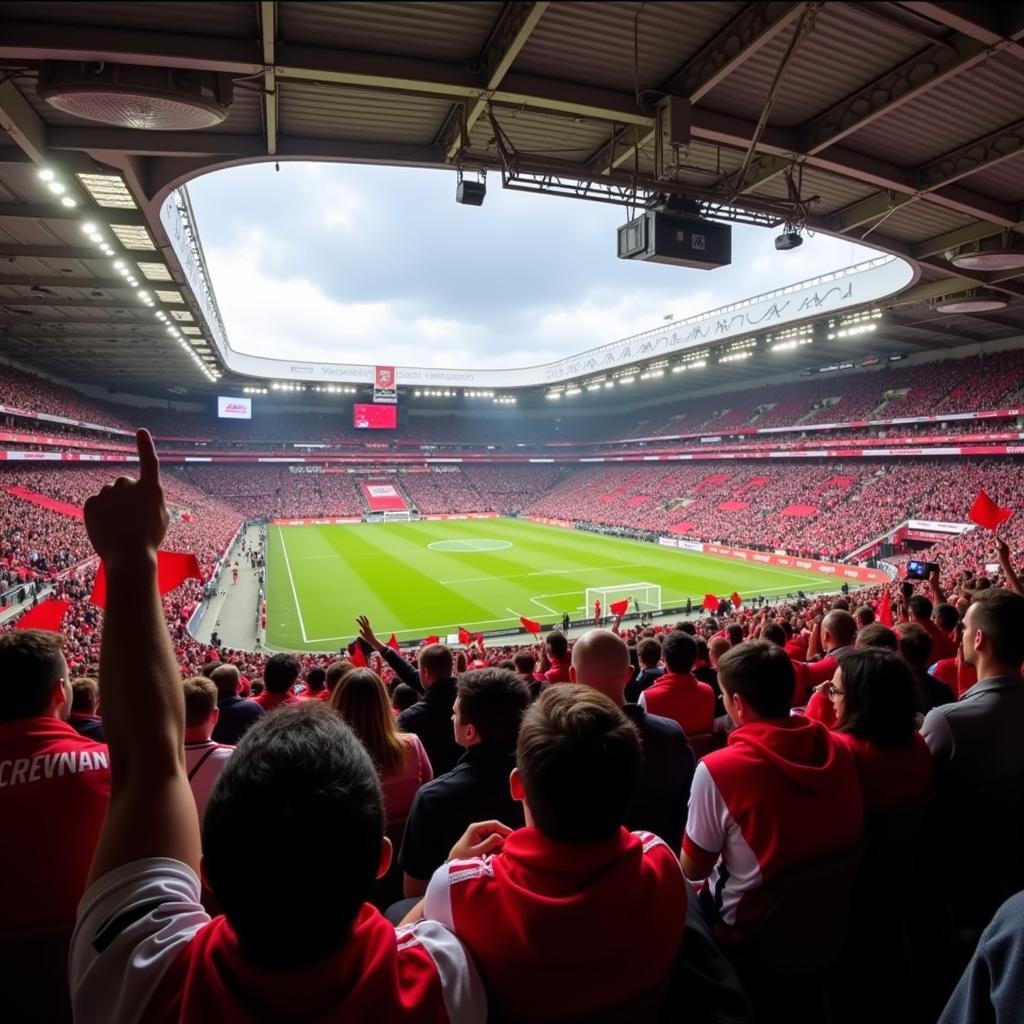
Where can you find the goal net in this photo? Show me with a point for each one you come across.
(404, 516)
(644, 597)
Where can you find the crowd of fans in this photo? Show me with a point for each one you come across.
(717, 819)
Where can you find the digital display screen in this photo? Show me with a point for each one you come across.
(234, 408)
(374, 417)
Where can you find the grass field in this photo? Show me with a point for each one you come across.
(481, 574)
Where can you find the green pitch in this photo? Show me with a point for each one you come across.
(417, 579)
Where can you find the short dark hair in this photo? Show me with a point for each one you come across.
(915, 644)
(437, 660)
(557, 643)
(946, 616)
(298, 789)
(686, 627)
(841, 604)
(880, 702)
(525, 662)
(226, 678)
(404, 696)
(920, 607)
(208, 667)
(85, 694)
(877, 635)
(316, 679)
(493, 700)
(579, 758)
(775, 634)
(734, 631)
(649, 652)
(999, 614)
(864, 615)
(762, 674)
(679, 651)
(31, 662)
(842, 625)
(280, 673)
(335, 671)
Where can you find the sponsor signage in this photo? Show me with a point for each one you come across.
(374, 417)
(384, 387)
(234, 408)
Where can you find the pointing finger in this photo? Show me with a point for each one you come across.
(149, 464)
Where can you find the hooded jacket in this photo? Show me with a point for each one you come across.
(782, 793)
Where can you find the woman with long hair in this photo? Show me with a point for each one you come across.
(402, 764)
(875, 699)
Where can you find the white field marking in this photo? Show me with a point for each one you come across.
(542, 572)
(291, 580)
(541, 604)
(469, 546)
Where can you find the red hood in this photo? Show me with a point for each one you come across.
(799, 748)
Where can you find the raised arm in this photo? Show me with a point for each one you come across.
(936, 587)
(405, 671)
(1003, 555)
(152, 812)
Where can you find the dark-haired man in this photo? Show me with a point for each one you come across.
(300, 789)
(235, 714)
(920, 611)
(279, 677)
(678, 694)
(316, 684)
(977, 740)
(572, 915)
(54, 785)
(557, 646)
(648, 653)
(85, 706)
(782, 793)
(488, 710)
(430, 717)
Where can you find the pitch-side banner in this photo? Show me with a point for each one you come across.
(384, 389)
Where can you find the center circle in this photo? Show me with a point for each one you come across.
(469, 545)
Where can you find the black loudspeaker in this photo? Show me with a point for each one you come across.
(470, 193)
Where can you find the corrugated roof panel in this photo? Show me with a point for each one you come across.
(234, 18)
(1004, 180)
(593, 42)
(974, 103)
(438, 31)
(846, 49)
(531, 132)
(916, 221)
(835, 193)
(307, 110)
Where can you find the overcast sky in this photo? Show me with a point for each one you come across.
(344, 263)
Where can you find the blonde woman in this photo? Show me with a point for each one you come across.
(402, 764)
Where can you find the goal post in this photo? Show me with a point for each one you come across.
(402, 516)
(647, 598)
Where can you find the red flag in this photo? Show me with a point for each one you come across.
(885, 610)
(479, 638)
(393, 642)
(357, 657)
(711, 602)
(529, 625)
(985, 512)
(431, 640)
(736, 600)
(619, 607)
(464, 637)
(172, 569)
(46, 615)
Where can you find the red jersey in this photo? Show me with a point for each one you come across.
(584, 927)
(684, 699)
(272, 701)
(890, 777)
(956, 674)
(559, 671)
(54, 788)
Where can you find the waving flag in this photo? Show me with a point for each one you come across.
(393, 643)
(885, 610)
(357, 657)
(529, 625)
(479, 638)
(172, 569)
(619, 607)
(47, 615)
(464, 637)
(431, 640)
(736, 599)
(710, 602)
(985, 512)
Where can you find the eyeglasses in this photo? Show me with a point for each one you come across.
(834, 691)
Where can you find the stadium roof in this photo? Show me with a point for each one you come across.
(900, 124)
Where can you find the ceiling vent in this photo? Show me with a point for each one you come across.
(1002, 252)
(980, 300)
(127, 96)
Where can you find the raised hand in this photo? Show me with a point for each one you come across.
(127, 520)
(366, 632)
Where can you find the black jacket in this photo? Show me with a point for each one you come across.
(430, 718)
(237, 715)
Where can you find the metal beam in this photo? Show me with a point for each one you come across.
(911, 79)
(755, 26)
(982, 153)
(516, 22)
(268, 33)
(39, 301)
(22, 123)
(954, 239)
(156, 143)
(48, 211)
(20, 280)
(55, 252)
